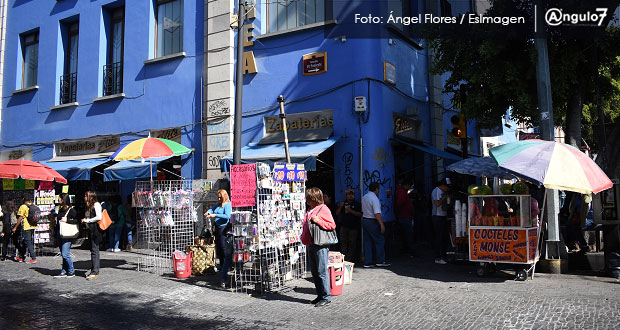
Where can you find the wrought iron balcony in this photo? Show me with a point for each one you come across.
(113, 78)
(68, 88)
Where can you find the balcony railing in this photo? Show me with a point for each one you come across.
(113, 78)
(68, 88)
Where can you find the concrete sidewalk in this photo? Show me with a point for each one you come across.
(413, 293)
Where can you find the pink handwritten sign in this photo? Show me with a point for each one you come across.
(243, 185)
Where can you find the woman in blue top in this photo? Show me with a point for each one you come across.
(220, 213)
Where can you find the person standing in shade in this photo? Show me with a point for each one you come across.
(403, 206)
(220, 213)
(130, 221)
(350, 212)
(372, 224)
(27, 232)
(440, 220)
(66, 214)
(117, 215)
(92, 215)
(9, 220)
(318, 255)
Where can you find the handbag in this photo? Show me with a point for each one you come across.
(105, 221)
(68, 230)
(321, 236)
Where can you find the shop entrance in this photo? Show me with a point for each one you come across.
(324, 176)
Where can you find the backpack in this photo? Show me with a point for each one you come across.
(34, 214)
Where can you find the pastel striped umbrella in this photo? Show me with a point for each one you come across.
(552, 164)
(150, 148)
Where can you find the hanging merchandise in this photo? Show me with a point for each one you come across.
(268, 251)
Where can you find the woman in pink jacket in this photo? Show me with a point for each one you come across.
(318, 213)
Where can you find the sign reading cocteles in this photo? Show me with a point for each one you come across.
(305, 126)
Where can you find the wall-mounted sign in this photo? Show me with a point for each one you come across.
(16, 154)
(389, 73)
(305, 126)
(314, 63)
(86, 147)
(360, 103)
(289, 172)
(405, 126)
(173, 134)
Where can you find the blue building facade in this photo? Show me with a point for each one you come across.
(82, 78)
(389, 71)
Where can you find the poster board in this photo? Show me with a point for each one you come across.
(243, 185)
(510, 245)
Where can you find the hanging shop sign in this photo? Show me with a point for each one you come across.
(172, 134)
(243, 185)
(88, 147)
(16, 154)
(289, 172)
(389, 73)
(17, 184)
(314, 63)
(305, 126)
(405, 126)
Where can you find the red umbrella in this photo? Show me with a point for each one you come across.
(29, 170)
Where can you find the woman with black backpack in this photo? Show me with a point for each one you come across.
(92, 215)
(66, 224)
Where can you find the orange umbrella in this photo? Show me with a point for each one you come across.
(29, 170)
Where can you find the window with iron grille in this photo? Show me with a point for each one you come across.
(288, 14)
(30, 59)
(169, 27)
(113, 70)
(68, 81)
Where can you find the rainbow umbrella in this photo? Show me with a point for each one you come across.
(149, 148)
(552, 164)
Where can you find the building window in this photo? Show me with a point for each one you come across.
(30, 59)
(169, 27)
(68, 81)
(113, 70)
(288, 14)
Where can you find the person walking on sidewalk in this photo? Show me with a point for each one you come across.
(66, 214)
(440, 222)
(220, 213)
(372, 224)
(9, 220)
(27, 230)
(92, 215)
(318, 255)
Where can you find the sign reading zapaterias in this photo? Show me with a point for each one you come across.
(86, 147)
(305, 126)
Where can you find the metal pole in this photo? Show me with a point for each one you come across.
(543, 84)
(283, 119)
(238, 86)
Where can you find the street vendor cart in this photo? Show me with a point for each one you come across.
(502, 230)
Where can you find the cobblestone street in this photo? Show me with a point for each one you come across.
(412, 294)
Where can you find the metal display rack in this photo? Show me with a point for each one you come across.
(166, 224)
(267, 247)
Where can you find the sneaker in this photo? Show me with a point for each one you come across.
(369, 266)
(61, 275)
(322, 302)
(92, 277)
(70, 275)
(223, 285)
(18, 259)
(128, 248)
(109, 250)
(316, 300)
(440, 261)
(32, 261)
(117, 250)
(383, 264)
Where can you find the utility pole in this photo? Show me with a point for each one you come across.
(238, 85)
(284, 131)
(545, 104)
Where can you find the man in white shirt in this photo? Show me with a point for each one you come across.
(372, 224)
(440, 225)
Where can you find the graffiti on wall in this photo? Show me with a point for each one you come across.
(382, 158)
(384, 182)
(347, 160)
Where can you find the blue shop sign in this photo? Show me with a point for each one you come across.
(289, 172)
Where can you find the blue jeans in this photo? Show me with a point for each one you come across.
(129, 227)
(29, 239)
(373, 237)
(406, 227)
(317, 257)
(65, 251)
(114, 235)
(224, 251)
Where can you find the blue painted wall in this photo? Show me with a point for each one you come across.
(158, 95)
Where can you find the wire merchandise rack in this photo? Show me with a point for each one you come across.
(166, 224)
(267, 247)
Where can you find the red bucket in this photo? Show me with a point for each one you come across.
(182, 264)
(336, 278)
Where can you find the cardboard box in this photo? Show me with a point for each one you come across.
(348, 272)
(335, 257)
